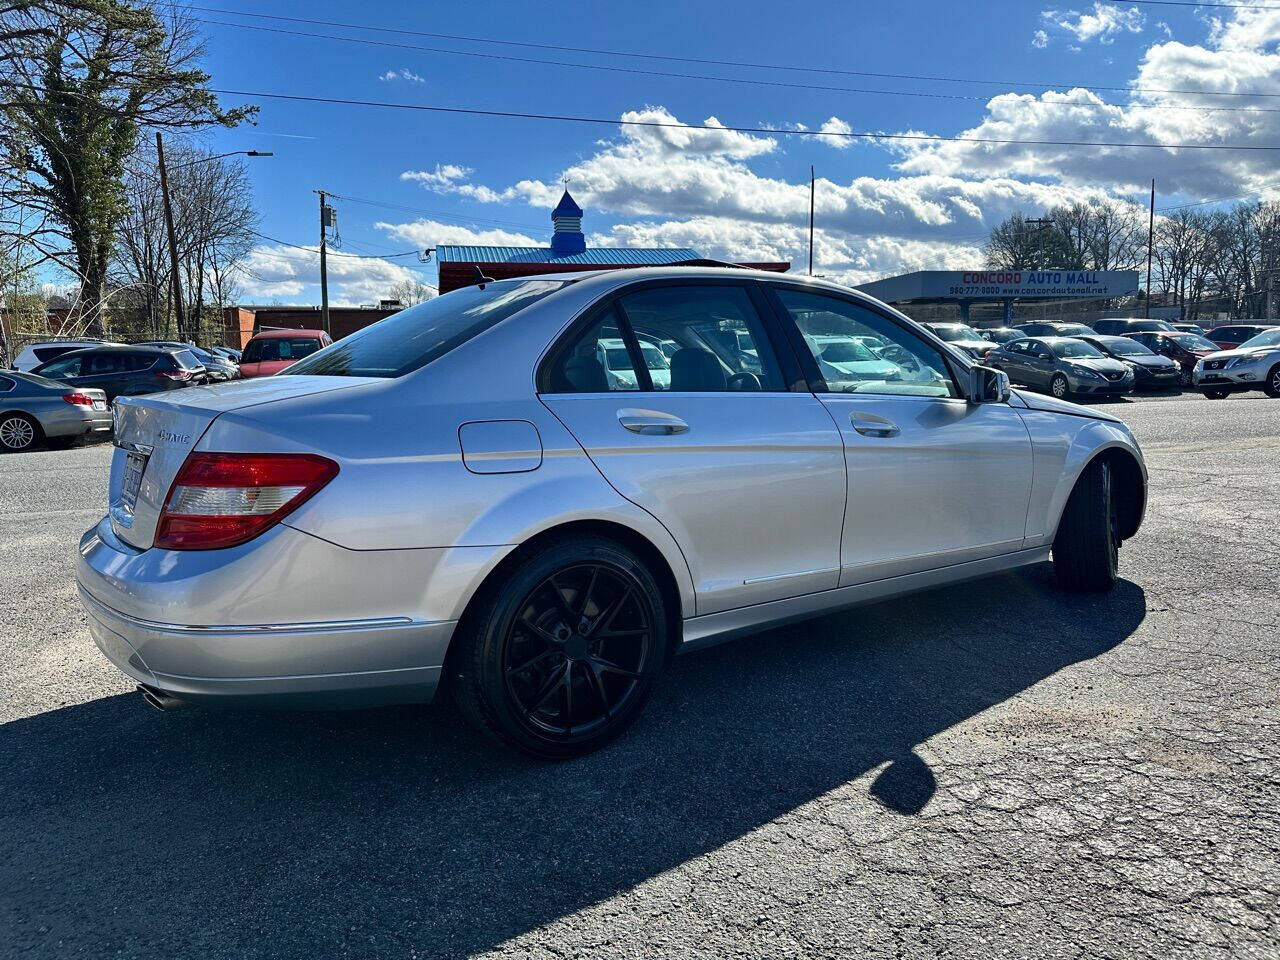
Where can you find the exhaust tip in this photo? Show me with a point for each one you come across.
(159, 700)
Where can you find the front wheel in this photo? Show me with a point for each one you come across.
(560, 656)
(1086, 549)
(1272, 386)
(1184, 377)
(1059, 386)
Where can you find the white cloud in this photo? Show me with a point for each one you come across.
(1104, 24)
(431, 233)
(280, 273)
(836, 126)
(1039, 39)
(402, 74)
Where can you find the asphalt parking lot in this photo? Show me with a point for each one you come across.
(993, 769)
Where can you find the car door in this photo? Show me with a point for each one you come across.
(1038, 364)
(933, 479)
(737, 459)
(1013, 358)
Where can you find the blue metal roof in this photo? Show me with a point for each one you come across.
(602, 256)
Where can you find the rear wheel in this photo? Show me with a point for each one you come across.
(19, 432)
(1059, 386)
(560, 656)
(1216, 394)
(1086, 550)
(1272, 386)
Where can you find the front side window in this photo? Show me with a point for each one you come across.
(906, 366)
(702, 338)
(412, 338)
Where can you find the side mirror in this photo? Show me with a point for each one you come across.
(987, 385)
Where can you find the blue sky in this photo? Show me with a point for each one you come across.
(883, 207)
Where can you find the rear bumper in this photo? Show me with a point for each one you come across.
(76, 421)
(287, 619)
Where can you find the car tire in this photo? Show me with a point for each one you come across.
(1184, 377)
(1060, 387)
(1216, 394)
(1086, 548)
(1271, 386)
(19, 432)
(523, 672)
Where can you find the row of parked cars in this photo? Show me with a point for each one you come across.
(60, 390)
(1118, 356)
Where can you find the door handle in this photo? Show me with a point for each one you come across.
(651, 422)
(871, 426)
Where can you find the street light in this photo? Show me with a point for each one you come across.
(168, 221)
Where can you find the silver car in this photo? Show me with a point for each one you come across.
(462, 495)
(35, 410)
(1254, 365)
(1064, 366)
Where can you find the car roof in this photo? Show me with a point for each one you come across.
(1110, 337)
(277, 334)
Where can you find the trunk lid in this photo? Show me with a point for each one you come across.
(154, 433)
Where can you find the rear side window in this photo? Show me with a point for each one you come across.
(413, 338)
(101, 363)
(6, 384)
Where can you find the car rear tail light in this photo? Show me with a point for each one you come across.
(223, 499)
(79, 399)
(174, 374)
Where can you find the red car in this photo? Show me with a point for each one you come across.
(1231, 335)
(1184, 348)
(272, 350)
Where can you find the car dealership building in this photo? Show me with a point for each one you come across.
(966, 288)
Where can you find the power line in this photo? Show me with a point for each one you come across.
(435, 213)
(670, 58)
(771, 131)
(1190, 3)
(747, 81)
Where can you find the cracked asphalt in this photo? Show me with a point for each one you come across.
(996, 769)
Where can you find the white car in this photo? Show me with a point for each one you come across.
(32, 356)
(852, 359)
(1254, 365)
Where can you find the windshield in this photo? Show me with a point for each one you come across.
(412, 338)
(845, 351)
(1191, 341)
(654, 358)
(1076, 349)
(1271, 338)
(1002, 335)
(1128, 348)
(957, 333)
(1073, 329)
(617, 358)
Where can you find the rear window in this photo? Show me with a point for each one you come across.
(270, 349)
(186, 360)
(45, 354)
(412, 338)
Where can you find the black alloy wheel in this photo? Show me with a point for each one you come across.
(560, 652)
(1272, 388)
(574, 655)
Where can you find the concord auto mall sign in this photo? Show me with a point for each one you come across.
(952, 285)
(1043, 283)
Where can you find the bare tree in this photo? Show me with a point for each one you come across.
(410, 291)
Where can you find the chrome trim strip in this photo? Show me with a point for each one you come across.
(311, 627)
(789, 576)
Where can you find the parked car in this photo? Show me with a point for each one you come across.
(1114, 327)
(850, 359)
(217, 367)
(126, 370)
(230, 353)
(1183, 349)
(1054, 329)
(1001, 334)
(1190, 328)
(963, 337)
(1254, 365)
(1062, 365)
(271, 351)
(1151, 371)
(1231, 335)
(32, 356)
(458, 483)
(35, 410)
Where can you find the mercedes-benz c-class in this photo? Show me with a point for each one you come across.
(465, 496)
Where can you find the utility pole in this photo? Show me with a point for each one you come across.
(173, 242)
(811, 182)
(325, 218)
(1151, 240)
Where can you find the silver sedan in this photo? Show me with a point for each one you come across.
(462, 495)
(35, 410)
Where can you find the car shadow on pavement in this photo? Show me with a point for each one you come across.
(208, 833)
